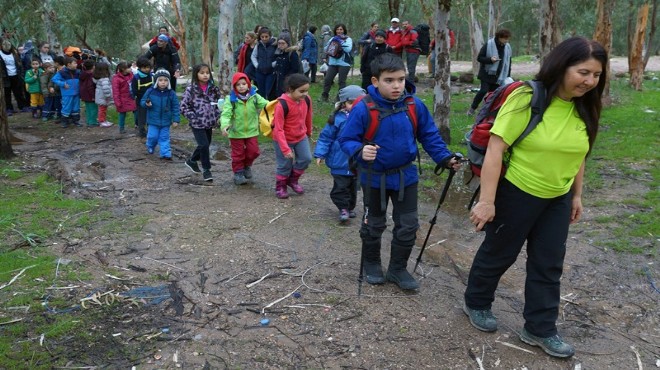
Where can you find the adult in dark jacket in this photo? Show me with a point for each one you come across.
(262, 58)
(310, 53)
(42, 53)
(12, 76)
(165, 56)
(287, 63)
(370, 53)
(495, 66)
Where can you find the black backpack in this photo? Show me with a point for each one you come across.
(424, 37)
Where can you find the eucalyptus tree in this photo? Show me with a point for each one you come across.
(442, 88)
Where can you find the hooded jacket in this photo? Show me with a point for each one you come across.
(200, 107)
(87, 86)
(70, 78)
(103, 95)
(121, 93)
(242, 116)
(328, 148)
(310, 50)
(32, 80)
(164, 106)
(396, 138)
(296, 125)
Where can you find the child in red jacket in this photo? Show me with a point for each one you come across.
(121, 93)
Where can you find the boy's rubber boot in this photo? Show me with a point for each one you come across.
(373, 269)
(293, 181)
(397, 271)
(280, 186)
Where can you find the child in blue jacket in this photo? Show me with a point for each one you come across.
(68, 79)
(344, 188)
(387, 167)
(162, 107)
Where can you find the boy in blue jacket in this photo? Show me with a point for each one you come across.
(387, 167)
(344, 188)
(162, 107)
(68, 80)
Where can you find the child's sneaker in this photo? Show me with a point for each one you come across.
(150, 150)
(193, 166)
(343, 215)
(351, 213)
(247, 172)
(239, 178)
(207, 176)
(106, 124)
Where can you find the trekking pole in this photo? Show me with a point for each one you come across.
(367, 196)
(452, 172)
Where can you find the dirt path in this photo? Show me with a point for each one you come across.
(209, 241)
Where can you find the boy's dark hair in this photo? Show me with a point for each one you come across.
(68, 60)
(122, 66)
(386, 62)
(88, 64)
(198, 67)
(143, 62)
(503, 33)
(334, 30)
(59, 60)
(35, 59)
(312, 29)
(102, 70)
(294, 81)
(264, 30)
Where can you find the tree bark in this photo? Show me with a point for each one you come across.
(637, 57)
(442, 87)
(206, 53)
(492, 23)
(650, 45)
(393, 7)
(476, 40)
(603, 34)
(180, 31)
(549, 35)
(226, 10)
(6, 150)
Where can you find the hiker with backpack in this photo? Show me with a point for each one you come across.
(310, 53)
(370, 53)
(381, 136)
(368, 37)
(410, 43)
(292, 130)
(395, 37)
(340, 59)
(165, 56)
(495, 65)
(539, 196)
(328, 150)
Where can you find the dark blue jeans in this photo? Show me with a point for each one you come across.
(543, 223)
(203, 138)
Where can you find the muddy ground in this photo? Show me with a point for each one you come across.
(210, 241)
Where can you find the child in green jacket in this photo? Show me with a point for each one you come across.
(240, 121)
(33, 83)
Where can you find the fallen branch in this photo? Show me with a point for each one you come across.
(10, 322)
(15, 277)
(257, 282)
(164, 263)
(639, 359)
(280, 299)
(275, 219)
(514, 346)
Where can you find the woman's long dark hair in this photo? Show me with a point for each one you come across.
(568, 53)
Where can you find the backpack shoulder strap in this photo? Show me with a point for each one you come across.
(538, 105)
(285, 106)
(412, 112)
(374, 122)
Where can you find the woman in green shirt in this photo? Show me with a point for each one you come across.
(540, 194)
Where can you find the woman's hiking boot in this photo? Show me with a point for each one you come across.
(554, 345)
(397, 271)
(483, 320)
(280, 187)
(292, 181)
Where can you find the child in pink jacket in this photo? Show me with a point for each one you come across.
(121, 93)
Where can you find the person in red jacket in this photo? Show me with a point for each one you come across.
(121, 93)
(394, 37)
(411, 46)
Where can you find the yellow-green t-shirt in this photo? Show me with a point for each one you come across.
(544, 163)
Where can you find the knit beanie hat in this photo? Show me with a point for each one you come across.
(286, 36)
(162, 73)
(163, 38)
(381, 33)
(350, 92)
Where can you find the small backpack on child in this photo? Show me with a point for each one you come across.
(477, 138)
(267, 114)
(334, 48)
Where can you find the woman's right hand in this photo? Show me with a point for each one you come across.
(481, 214)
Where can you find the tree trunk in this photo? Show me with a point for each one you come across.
(492, 23)
(393, 8)
(226, 10)
(649, 46)
(285, 22)
(637, 57)
(6, 151)
(549, 35)
(630, 32)
(442, 87)
(206, 53)
(603, 34)
(181, 33)
(476, 40)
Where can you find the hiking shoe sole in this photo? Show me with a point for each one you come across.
(554, 346)
(193, 168)
(472, 315)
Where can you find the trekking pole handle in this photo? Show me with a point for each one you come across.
(440, 167)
